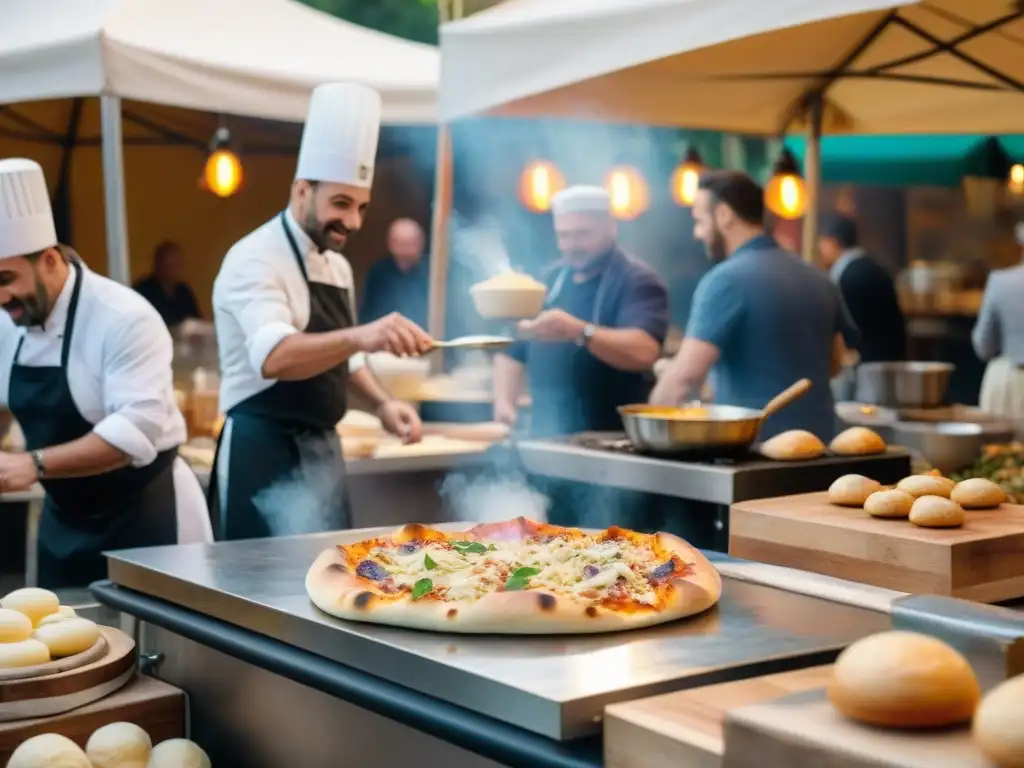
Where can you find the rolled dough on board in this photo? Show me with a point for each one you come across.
(68, 637)
(32, 601)
(15, 626)
(119, 745)
(27, 653)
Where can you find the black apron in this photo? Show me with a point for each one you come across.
(285, 469)
(86, 516)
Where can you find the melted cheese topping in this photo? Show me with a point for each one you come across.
(586, 569)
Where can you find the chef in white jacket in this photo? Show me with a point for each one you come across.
(284, 309)
(85, 369)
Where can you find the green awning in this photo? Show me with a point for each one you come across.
(907, 161)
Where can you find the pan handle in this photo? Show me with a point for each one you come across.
(787, 396)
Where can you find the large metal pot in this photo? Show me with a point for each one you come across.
(952, 445)
(903, 385)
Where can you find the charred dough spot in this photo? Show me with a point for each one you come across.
(337, 567)
(547, 602)
(591, 611)
(363, 600)
(452, 613)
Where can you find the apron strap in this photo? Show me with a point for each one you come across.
(294, 246)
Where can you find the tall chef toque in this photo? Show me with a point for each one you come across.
(581, 199)
(26, 220)
(339, 141)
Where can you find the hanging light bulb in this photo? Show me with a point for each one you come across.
(686, 177)
(785, 195)
(628, 191)
(223, 172)
(539, 182)
(1015, 182)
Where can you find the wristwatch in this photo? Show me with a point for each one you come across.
(583, 340)
(37, 458)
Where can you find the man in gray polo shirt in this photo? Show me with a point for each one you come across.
(761, 317)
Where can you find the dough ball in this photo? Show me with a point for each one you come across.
(48, 750)
(32, 601)
(999, 724)
(936, 512)
(27, 653)
(926, 485)
(891, 503)
(857, 441)
(903, 680)
(852, 490)
(119, 745)
(15, 626)
(977, 493)
(68, 637)
(178, 753)
(794, 445)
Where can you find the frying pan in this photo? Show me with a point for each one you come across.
(723, 428)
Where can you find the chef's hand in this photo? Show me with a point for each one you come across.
(506, 413)
(401, 420)
(667, 390)
(395, 334)
(17, 472)
(553, 325)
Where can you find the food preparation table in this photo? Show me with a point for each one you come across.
(235, 615)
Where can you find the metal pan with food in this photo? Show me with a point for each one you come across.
(700, 427)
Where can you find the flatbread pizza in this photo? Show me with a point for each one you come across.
(514, 577)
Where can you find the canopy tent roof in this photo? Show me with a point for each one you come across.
(259, 58)
(945, 66)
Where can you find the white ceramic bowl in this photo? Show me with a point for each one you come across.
(509, 296)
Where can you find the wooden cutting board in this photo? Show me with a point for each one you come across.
(685, 728)
(981, 561)
(804, 731)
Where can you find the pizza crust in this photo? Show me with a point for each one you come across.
(337, 591)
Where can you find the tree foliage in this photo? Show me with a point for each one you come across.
(411, 19)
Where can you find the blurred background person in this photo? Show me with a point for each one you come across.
(400, 281)
(165, 289)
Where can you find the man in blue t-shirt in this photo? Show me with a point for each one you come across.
(761, 317)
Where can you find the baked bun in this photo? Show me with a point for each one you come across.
(903, 680)
(890, 503)
(926, 485)
(794, 445)
(852, 490)
(936, 512)
(977, 493)
(999, 724)
(857, 441)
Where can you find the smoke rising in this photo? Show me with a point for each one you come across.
(490, 499)
(294, 505)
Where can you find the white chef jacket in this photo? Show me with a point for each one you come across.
(119, 374)
(260, 297)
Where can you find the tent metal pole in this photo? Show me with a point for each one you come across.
(118, 266)
(812, 178)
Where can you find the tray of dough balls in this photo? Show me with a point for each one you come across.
(115, 745)
(52, 661)
(925, 535)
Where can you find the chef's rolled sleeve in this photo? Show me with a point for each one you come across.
(717, 309)
(645, 306)
(136, 381)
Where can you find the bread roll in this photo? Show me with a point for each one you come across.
(48, 750)
(999, 724)
(794, 445)
(977, 493)
(27, 653)
(68, 637)
(178, 753)
(857, 441)
(926, 485)
(119, 745)
(64, 612)
(936, 512)
(32, 601)
(903, 680)
(15, 626)
(892, 503)
(852, 490)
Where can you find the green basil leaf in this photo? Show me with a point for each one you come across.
(422, 588)
(469, 547)
(491, 548)
(524, 573)
(429, 563)
(514, 585)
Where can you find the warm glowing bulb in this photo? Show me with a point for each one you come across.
(540, 183)
(1016, 181)
(685, 181)
(790, 191)
(627, 191)
(786, 196)
(223, 173)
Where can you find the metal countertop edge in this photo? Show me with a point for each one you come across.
(482, 735)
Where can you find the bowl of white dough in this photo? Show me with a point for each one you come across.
(402, 377)
(509, 296)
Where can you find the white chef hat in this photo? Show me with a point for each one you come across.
(26, 220)
(582, 199)
(339, 141)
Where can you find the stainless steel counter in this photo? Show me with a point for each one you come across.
(717, 483)
(556, 687)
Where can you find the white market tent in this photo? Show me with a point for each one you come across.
(254, 58)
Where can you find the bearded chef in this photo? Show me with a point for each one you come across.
(284, 309)
(85, 369)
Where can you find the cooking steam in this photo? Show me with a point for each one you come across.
(292, 506)
(491, 500)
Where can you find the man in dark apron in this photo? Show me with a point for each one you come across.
(288, 340)
(591, 350)
(89, 382)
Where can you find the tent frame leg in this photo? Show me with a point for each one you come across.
(116, 218)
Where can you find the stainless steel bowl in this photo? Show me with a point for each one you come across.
(904, 385)
(727, 427)
(951, 445)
